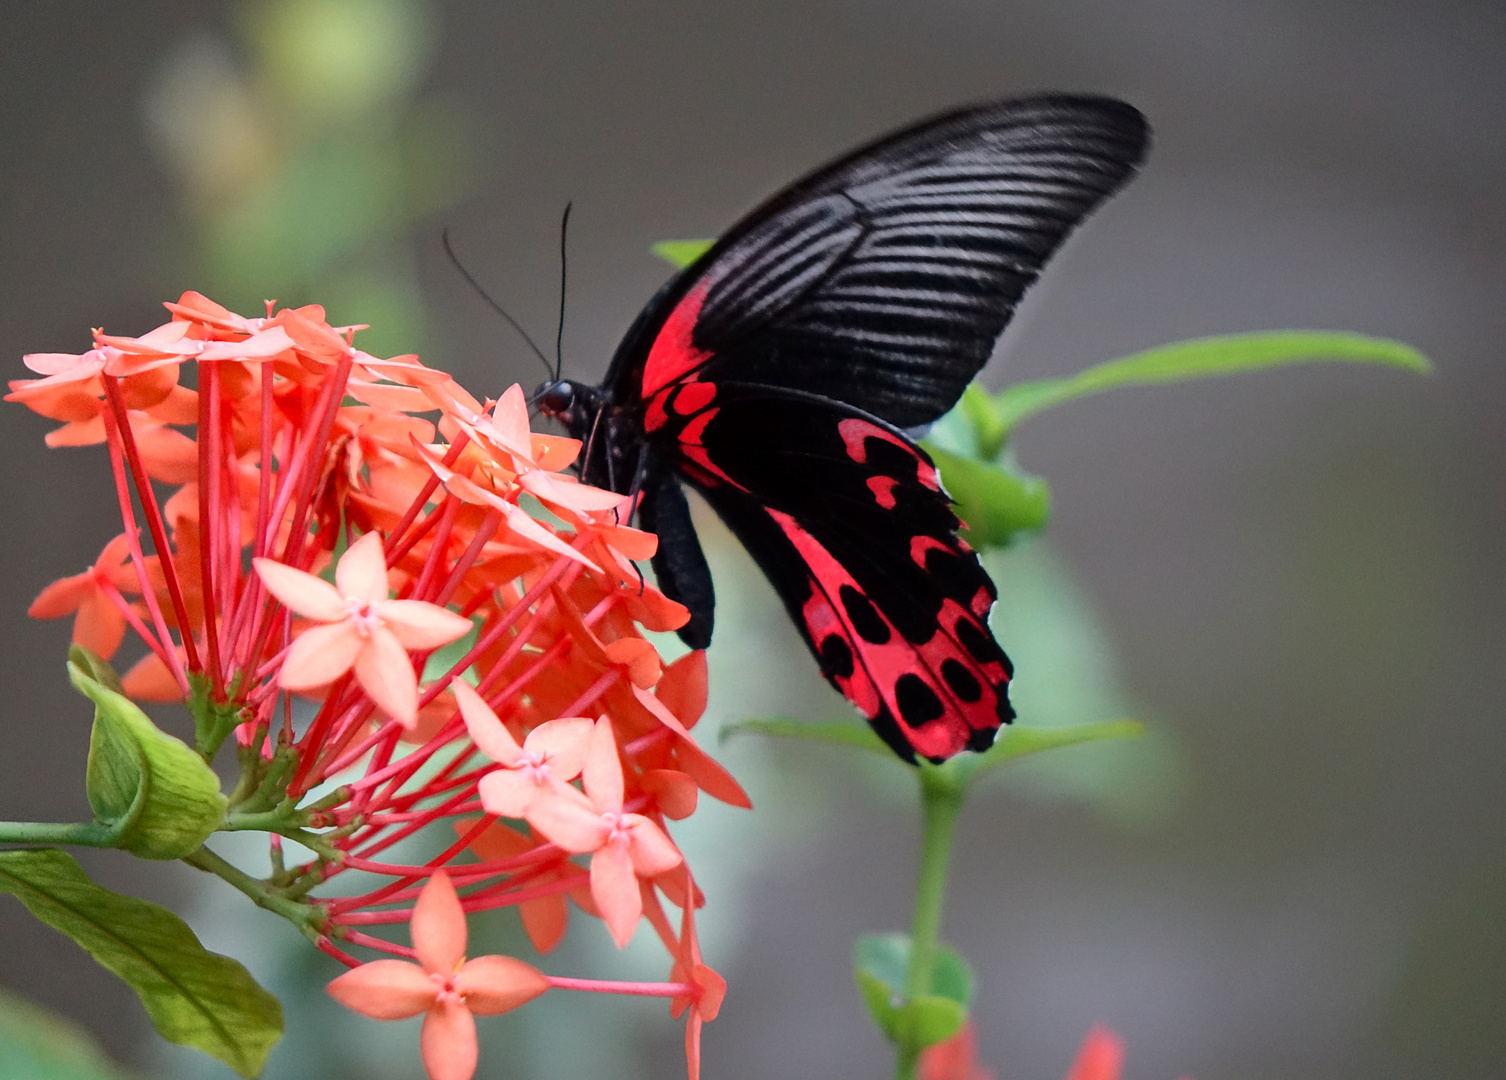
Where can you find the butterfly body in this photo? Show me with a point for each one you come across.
(779, 375)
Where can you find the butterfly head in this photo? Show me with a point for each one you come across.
(574, 405)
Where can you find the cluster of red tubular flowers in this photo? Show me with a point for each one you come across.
(414, 625)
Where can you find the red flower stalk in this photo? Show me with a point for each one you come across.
(358, 592)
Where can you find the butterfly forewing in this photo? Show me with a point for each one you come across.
(884, 280)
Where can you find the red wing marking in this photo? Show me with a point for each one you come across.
(919, 545)
(855, 434)
(672, 355)
(692, 397)
(938, 691)
(883, 490)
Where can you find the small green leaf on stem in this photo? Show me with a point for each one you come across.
(881, 964)
(1226, 354)
(998, 503)
(1021, 740)
(96, 667)
(681, 253)
(837, 732)
(152, 790)
(194, 997)
(927, 1020)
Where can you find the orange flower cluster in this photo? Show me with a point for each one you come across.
(414, 623)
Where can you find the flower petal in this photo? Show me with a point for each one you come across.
(306, 594)
(320, 655)
(385, 989)
(361, 573)
(1100, 1057)
(562, 492)
(449, 1042)
(545, 920)
(419, 624)
(386, 674)
(509, 792)
(495, 984)
(99, 626)
(614, 887)
(567, 822)
(488, 733)
(652, 852)
(563, 742)
(438, 926)
(602, 771)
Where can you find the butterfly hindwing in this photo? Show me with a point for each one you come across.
(847, 518)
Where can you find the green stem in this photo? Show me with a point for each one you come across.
(307, 917)
(941, 801)
(91, 834)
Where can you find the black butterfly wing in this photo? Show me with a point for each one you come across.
(847, 518)
(884, 279)
(775, 372)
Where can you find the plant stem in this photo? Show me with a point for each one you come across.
(941, 794)
(307, 917)
(90, 834)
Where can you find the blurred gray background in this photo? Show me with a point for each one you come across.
(1295, 578)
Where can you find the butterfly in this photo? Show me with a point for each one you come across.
(785, 374)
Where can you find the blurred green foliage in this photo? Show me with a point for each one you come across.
(307, 152)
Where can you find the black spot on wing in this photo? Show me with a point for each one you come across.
(864, 616)
(963, 684)
(957, 575)
(836, 657)
(918, 703)
(978, 644)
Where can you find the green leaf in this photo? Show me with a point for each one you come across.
(38, 1045)
(881, 965)
(193, 996)
(156, 793)
(881, 1002)
(1019, 740)
(886, 957)
(927, 1020)
(837, 732)
(96, 667)
(681, 253)
(1227, 354)
(951, 976)
(997, 503)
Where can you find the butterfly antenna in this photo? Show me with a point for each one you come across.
(444, 238)
(559, 334)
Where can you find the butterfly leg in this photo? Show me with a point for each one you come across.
(679, 564)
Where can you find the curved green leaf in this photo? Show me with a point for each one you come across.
(881, 965)
(193, 996)
(837, 732)
(997, 503)
(38, 1045)
(158, 795)
(681, 253)
(927, 1020)
(1225, 354)
(1020, 740)
(880, 1001)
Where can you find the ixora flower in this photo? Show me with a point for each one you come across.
(330, 561)
(446, 987)
(362, 629)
